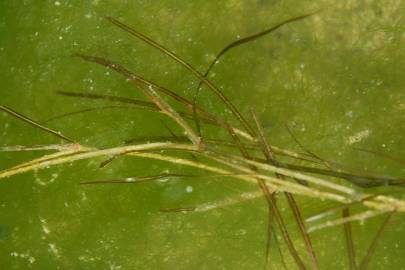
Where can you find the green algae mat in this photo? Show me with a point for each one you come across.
(289, 157)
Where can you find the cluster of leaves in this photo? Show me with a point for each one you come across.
(246, 155)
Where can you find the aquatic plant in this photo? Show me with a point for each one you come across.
(245, 155)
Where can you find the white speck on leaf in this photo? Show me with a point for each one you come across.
(53, 249)
(358, 136)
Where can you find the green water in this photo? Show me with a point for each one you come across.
(335, 79)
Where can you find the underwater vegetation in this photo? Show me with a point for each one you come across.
(202, 141)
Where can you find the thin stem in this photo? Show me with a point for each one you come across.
(198, 75)
(35, 123)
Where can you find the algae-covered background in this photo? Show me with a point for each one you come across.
(336, 79)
